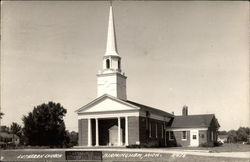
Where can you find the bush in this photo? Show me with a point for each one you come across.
(134, 146)
(218, 143)
(207, 144)
(150, 144)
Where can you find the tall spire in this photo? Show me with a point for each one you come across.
(111, 39)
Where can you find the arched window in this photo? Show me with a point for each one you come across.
(119, 64)
(107, 63)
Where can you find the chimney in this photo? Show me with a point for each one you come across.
(173, 112)
(185, 111)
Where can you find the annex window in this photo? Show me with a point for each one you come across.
(107, 63)
(194, 137)
(171, 135)
(184, 135)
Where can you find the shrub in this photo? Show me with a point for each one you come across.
(218, 143)
(207, 144)
(150, 144)
(134, 146)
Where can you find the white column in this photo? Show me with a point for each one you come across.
(119, 131)
(96, 133)
(89, 133)
(126, 131)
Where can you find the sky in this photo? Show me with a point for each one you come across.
(174, 53)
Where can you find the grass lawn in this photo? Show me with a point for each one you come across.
(226, 147)
(229, 147)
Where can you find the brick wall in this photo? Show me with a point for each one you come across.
(179, 140)
(144, 131)
(83, 132)
(133, 129)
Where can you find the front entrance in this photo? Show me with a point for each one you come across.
(194, 138)
(113, 136)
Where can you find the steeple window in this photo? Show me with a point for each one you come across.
(107, 63)
(119, 64)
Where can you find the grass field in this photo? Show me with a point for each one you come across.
(226, 147)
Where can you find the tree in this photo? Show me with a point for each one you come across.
(222, 132)
(232, 136)
(73, 138)
(1, 114)
(16, 129)
(242, 134)
(44, 126)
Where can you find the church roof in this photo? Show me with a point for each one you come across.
(99, 99)
(126, 102)
(193, 121)
(151, 109)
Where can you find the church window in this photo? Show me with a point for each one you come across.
(107, 63)
(156, 131)
(162, 131)
(150, 128)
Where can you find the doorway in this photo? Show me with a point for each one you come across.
(194, 138)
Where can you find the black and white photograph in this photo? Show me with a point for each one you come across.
(125, 80)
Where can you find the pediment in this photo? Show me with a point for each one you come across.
(106, 103)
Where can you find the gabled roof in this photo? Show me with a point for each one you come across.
(125, 102)
(150, 109)
(193, 121)
(102, 98)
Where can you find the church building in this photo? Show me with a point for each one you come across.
(113, 120)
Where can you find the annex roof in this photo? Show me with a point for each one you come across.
(193, 121)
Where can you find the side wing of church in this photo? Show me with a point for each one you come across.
(113, 120)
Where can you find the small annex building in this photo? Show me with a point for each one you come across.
(192, 130)
(113, 120)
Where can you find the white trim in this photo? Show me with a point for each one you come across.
(185, 129)
(89, 133)
(96, 132)
(108, 115)
(126, 131)
(119, 132)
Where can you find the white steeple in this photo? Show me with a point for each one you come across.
(111, 80)
(111, 39)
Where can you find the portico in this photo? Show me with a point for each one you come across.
(96, 131)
